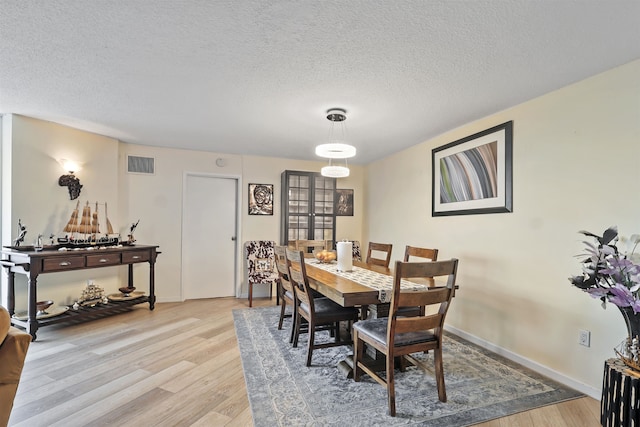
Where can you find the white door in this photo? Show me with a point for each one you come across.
(209, 236)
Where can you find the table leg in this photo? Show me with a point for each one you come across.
(32, 298)
(152, 284)
(11, 293)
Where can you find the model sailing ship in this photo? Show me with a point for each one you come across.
(85, 231)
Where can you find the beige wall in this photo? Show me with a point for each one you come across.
(156, 200)
(575, 167)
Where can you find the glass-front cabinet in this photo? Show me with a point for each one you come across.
(307, 207)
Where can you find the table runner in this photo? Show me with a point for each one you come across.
(372, 279)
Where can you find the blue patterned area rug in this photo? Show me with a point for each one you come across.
(284, 392)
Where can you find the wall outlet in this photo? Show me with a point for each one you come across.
(584, 338)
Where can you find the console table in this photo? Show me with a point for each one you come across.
(33, 263)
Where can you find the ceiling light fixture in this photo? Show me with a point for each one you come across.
(337, 148)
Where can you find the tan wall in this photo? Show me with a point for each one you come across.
(156, 200)
(575, 167)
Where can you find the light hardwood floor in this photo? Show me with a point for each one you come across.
(178, 365)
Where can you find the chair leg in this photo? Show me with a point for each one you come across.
(358, 349)
(437, 358)
(391, 389)
(250, 294)
(296, 334)
(312, 333)
(294, 321)
(282, 307)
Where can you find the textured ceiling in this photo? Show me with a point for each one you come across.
(256, 76)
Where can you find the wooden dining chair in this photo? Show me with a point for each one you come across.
(287, 291)
(375, 250)
(400, 336)
(310, 246)
(320, 313)
(412, 252)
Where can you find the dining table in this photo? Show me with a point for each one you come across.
(366, 285)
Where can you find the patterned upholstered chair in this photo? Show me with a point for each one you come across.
(260, 265)
(355, 250)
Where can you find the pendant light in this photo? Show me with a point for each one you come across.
(336, 148)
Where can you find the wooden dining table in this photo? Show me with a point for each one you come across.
(349, 293)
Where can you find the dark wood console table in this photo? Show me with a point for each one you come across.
(34, 263)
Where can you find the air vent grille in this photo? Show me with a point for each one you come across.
(137, 164)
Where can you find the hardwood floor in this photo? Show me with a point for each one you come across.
(178, 365)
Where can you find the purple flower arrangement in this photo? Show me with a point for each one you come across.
(609, 273)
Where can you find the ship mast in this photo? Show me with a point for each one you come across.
(72, 225)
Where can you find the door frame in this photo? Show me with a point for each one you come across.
(238, 274)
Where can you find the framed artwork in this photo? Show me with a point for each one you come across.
(473, 175)
(344, 202)
(260, 199)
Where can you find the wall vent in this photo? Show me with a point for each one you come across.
(144, 165)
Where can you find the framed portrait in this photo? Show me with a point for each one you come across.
(473, 175)
(260, 199)
(344, 202)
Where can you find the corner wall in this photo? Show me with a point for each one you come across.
(575, 167)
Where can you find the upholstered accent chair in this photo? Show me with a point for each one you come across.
(260, 265)
(14, 344)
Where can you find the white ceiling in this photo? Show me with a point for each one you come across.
(256, 76)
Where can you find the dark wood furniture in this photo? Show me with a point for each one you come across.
(398, 335)
(320, 313)
(620, 403)
(379, 248)
(33, 263)
(308, 209)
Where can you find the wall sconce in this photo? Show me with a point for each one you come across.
(69, 180)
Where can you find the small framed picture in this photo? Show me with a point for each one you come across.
(344, 202)
(260, 199)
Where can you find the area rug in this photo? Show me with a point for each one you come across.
(284, 392)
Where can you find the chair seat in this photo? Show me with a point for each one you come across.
(327, 310)
(377, 329)
(289, 295)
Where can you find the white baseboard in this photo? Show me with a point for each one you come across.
(534, 366)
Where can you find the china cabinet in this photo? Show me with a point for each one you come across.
(307, 207)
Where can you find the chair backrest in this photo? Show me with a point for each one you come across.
(282, 266)
(260, 261)
(310, 246)
(298, 278)
(414, 251)
(379, 254)
(355, 250)
(440, 295)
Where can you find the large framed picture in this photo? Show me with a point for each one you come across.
(260, 199)
(344, 202)
(473, 175)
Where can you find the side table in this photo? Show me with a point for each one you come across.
(620, 404)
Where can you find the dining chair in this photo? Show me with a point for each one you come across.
(412, 252)
(287, 292)
(310, 246)
(260, 265)
(355, 250)
(399, 336)
(376, 250)
(320, 313)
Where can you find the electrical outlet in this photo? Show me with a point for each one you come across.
(584, 338)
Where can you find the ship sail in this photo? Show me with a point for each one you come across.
(109, 227)
(85, 222)
(95, 226)
(72, 225)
